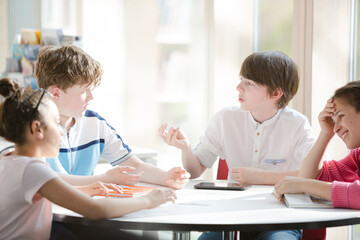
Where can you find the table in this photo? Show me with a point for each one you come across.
(255, 209)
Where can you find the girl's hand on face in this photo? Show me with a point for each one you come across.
(325, 118)
(174, 137)
(98, 187)
(177, 177)
(122, 175)
(159, 196)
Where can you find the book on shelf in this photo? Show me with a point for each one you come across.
(130, 191)
(304, 200)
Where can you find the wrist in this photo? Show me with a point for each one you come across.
(304, 185)
(147, 202)
(186, 148)
(102, 178)
(325, 135)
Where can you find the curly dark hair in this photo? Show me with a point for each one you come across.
(17, 110)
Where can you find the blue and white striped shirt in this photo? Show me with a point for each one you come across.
(90, 139)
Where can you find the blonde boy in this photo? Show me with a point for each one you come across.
(70, 75)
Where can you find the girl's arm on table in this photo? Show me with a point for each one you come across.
(62, 194)
(303, 185)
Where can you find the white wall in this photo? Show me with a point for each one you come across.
(4, 34)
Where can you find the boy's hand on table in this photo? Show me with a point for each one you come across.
(174, 137)
(246, 175)
(122, 175)
(99, 188)
(177, 177)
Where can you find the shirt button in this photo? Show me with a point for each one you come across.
(258, 133)
(256, 151)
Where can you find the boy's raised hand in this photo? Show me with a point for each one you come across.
(122, 175)
(325, 118)
(173, 137)
(177, 177)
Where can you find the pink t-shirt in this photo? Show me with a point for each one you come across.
(24, 213)
(345, 190)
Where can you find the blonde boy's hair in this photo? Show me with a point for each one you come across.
(66, 66)
(275, 70)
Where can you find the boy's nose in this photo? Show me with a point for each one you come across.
(238, 87)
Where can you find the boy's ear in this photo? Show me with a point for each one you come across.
(277, 94)
(55, 91)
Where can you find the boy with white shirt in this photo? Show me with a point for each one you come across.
(263, 140)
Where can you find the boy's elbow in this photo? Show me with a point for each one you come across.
(194, 175)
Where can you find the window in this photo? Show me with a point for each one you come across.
(275, 25)
(160, 67)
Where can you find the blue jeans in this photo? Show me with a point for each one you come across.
(59, 232)
(265, 235)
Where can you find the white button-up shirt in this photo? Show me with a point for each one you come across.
(278, 144)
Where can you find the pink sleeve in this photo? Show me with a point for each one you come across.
(344, 170)
(346, 195)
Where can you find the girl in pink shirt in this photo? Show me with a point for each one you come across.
(337, 181)
(30, 119)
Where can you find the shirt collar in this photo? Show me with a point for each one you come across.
(270, 121)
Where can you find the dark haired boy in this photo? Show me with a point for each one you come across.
(263, 140)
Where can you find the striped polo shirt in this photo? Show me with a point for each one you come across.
(90, 139)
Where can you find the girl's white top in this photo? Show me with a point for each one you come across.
(24, 213)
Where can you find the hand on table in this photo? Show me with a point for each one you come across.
(159, 196)
(288, 185)
(246, 175)
(177, 177)
(99, 188)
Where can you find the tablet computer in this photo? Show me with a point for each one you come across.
(221, 186)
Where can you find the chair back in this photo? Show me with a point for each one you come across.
(223, 170)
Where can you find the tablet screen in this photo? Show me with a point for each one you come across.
(221, 186)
